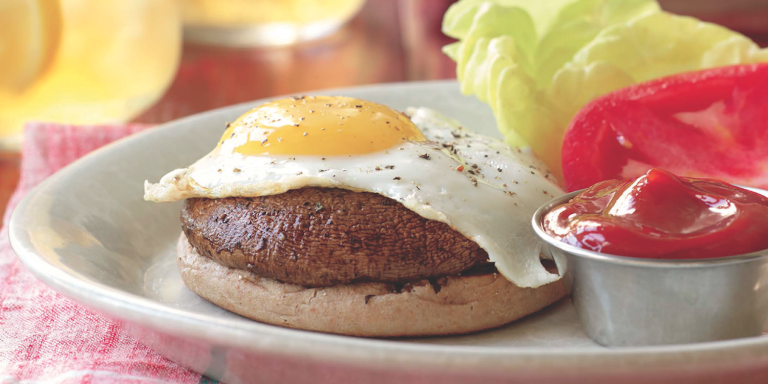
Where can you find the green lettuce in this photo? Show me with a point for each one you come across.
(537, 63)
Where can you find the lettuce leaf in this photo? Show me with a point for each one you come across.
(538, 65)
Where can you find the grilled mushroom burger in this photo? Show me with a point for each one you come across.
(339, 215)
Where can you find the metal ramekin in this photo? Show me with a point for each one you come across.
(625, 301)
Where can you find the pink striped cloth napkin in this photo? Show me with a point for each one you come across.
(45, 337)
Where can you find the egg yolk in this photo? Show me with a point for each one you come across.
(321, 125)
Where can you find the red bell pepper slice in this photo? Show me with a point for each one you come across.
(707, 124)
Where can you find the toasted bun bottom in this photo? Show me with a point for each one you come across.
(459, 304)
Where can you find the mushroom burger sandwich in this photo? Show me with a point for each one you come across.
(339, 215)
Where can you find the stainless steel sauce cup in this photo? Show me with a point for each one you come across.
(625, 301)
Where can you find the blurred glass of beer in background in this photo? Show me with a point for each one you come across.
(83, 61)
(264, 22)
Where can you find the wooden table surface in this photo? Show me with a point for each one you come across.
(388, 41)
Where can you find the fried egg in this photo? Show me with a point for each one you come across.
(422, 159)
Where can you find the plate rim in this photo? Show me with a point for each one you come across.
(131, 308)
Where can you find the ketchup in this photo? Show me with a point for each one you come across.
(662, 216)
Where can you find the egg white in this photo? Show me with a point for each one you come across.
(478, 185)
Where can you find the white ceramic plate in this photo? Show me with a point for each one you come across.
(87, 233)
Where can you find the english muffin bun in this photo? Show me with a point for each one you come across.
(449, 305)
